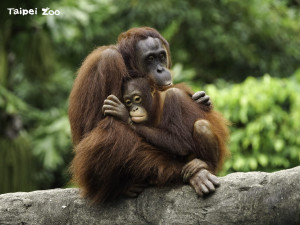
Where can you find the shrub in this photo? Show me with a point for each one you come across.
(265, 117)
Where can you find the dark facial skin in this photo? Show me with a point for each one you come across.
(133, 100)
(134, 109)
(153, 60)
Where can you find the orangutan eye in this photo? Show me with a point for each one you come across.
(150, 58)
(162, 57)
(128, 102)
(137, 99)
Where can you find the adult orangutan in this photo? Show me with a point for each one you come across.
(110, 158)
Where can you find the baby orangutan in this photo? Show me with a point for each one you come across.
(172, 121)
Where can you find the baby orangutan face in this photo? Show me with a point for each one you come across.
(137, 101)
(137, 111)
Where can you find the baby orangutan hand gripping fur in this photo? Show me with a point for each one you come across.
(172, 121)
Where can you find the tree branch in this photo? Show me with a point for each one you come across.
(243, 198)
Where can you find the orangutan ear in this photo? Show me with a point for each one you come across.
(153, 91)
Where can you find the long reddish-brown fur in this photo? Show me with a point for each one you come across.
(172, 123)
(219, 127)
(109, 156)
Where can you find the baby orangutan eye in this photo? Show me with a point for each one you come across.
(137, 99)
(128, 102)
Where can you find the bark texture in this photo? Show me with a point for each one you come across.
(243, 198)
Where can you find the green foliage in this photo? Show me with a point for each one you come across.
(39, 61)
(51, 142)
(34, 159)
(228, 39)
(16, 165)
(9, 103)
(234, 39)
(209, 39)
(265, 116)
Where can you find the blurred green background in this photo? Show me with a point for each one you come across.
(244, 54)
